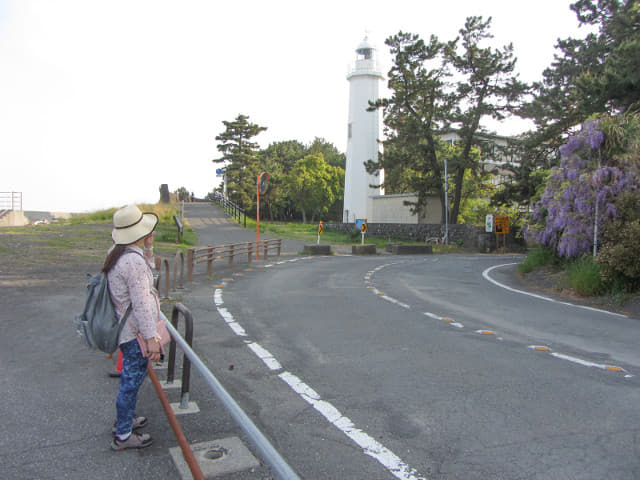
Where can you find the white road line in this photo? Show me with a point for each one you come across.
(485, 274)
(393, 300)
(586, 363)
(235, 326)
(264, 355)
(369, 445)
(217, 297)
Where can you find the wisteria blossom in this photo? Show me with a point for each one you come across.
(564, 218)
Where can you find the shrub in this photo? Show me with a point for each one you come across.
(583, 276)
(539, 257)
(619, 256)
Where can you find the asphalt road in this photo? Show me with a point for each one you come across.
(433, 365)
(345, 363)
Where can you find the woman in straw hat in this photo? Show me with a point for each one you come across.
(128, 269)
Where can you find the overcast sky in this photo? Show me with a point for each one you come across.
(103, 101)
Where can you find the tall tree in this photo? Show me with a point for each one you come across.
(597, 74)
(278, 159)
(331, 154)
(240, 156)
(314, 185)
(489, 88)
(414, 117)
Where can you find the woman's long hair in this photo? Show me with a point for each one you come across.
(112, 257)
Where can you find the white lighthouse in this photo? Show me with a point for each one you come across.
(363, 134)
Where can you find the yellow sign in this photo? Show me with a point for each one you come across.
(364, 226)
(502, 225)
(320, 228)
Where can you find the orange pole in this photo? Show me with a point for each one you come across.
(189, 457)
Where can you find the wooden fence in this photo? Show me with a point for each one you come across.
(230, 251)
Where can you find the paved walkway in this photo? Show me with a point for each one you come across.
(213, 227)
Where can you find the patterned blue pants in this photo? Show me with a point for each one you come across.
(134, 370)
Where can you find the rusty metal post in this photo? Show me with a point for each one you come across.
(178, 309)
(189, 457)
(190, 264)
(167, 279)
(231, 254)
(181, 284)
(175, 273)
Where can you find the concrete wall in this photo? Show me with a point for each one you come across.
(391, 209)
(13, 218)
(469, 236)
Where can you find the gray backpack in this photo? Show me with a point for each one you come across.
(98, 324)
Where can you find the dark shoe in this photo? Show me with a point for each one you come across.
(138, 422)
(135, 440)
(115, 374)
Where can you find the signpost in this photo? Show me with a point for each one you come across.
(502, 228)
(262, 184)
(488, 224)
(502, 225)
(363, 229)
(320, 229)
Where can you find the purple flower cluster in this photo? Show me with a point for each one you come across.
(564, 217)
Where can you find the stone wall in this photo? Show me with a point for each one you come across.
(469, 236)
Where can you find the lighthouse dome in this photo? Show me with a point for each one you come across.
(365, 49)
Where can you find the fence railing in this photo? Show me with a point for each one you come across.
(217, 252)
(11, 201)
(231, 208)
(170, 273)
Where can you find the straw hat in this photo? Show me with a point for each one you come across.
(130, 225)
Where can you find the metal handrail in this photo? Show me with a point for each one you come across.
(268, 453)
(231, 209)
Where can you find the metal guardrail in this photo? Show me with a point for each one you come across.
(231, 209)
(268, 453)
(11, 201)
(216, 252)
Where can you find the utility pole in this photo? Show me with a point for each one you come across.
(446, 204)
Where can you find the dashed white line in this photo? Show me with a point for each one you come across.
(586, 363)
(264, 355)
(369, 445)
